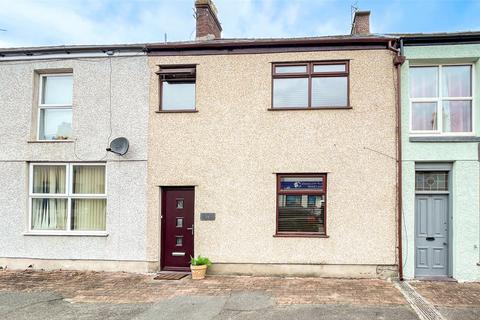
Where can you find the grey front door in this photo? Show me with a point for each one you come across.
(431, 235)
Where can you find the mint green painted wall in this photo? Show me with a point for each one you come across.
(465, 188)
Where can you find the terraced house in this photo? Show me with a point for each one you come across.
(440, 143)
(270, 156)
(274, 156)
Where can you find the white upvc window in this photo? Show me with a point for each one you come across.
(55, 107)
(442, 100)
(67, 198)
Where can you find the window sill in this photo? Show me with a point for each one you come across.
(445, 139)
(176, 111)
(50, 141)
(303, 109)
(305, 235)
(61, 233)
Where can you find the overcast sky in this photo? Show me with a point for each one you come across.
(57, 22)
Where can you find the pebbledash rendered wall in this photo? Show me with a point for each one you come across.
(124, 246)
(464, 156)
(232, 148)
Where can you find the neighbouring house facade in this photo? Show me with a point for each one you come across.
(440, 156)
(274, 156)
(66, 201)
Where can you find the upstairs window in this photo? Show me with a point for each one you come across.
(313, 85)
(177, 88)
(55, 107)
(301, 204)
(441, 99)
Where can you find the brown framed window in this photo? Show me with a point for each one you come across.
(310, 85)
(177, 88)
(301, 204)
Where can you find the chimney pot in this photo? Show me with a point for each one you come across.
(361, 23)
(208, 26)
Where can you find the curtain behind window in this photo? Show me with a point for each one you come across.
(49, 179)
(88, 179)
(423, 82)
(49, 214)
(456, 82)
(88, 214)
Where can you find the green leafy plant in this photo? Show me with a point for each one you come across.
(200, 261)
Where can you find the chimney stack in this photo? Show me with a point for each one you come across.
(361, 23)
(208, 26)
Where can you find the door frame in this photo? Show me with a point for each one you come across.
(435, 166)
(163, 190)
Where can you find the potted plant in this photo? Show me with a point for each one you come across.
(199, 267)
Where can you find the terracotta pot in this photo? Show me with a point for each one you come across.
(198, 272)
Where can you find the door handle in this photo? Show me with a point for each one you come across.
(191, 229)
(430, 238)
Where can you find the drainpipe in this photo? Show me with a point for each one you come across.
(398, 60)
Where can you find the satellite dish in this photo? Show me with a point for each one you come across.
(119, 146)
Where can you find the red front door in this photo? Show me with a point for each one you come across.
(177, 228)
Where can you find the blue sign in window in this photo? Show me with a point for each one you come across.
(301, 185)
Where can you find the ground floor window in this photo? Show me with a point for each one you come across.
(301, 204)
(67, 197)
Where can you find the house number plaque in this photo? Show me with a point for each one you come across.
(207, 216)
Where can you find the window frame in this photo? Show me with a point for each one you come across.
(309, 74)
(279, 192)
(439, 101)
(186, 79)
(45, 106)
(69, 195)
